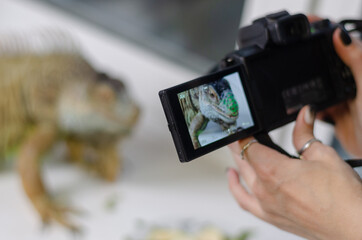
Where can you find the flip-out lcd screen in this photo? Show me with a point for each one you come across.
(215, 110)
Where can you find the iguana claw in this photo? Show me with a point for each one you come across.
(50, 210)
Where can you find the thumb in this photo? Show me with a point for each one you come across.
(349, 50)
(303, 130)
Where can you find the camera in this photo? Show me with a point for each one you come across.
(283, 63)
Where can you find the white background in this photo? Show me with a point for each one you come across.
(154, 186)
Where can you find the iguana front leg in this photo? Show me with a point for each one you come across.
(108, 165)
(75, 150)
(29, 167)
(196, 125)
(102, 159)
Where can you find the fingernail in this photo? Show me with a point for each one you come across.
(309, 115)
(346, 39)
(228, 172)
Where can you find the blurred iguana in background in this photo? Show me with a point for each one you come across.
(49, 92)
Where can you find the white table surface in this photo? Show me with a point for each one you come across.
(153, 187)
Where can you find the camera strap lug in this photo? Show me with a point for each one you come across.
(352, 26)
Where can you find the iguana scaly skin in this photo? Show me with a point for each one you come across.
(47, 96)
(215, 102)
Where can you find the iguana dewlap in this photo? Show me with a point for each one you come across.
(47, 96)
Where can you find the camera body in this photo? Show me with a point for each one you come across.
(283, 63)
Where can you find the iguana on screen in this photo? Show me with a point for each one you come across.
(49, 92)
(215, 102)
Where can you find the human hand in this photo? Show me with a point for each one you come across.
(318, 197)
(347, 116)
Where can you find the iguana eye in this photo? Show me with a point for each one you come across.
(213, 95)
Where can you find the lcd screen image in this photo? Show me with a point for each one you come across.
(215, 110)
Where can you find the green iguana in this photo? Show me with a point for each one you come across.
(49, 92)
(215, 102)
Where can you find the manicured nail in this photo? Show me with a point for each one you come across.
(228, 172)
(309, 115)
(346, 39)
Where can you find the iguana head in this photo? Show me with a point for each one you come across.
(99, 107)
(217, 102)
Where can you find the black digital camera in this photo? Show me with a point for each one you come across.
(284, 62)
